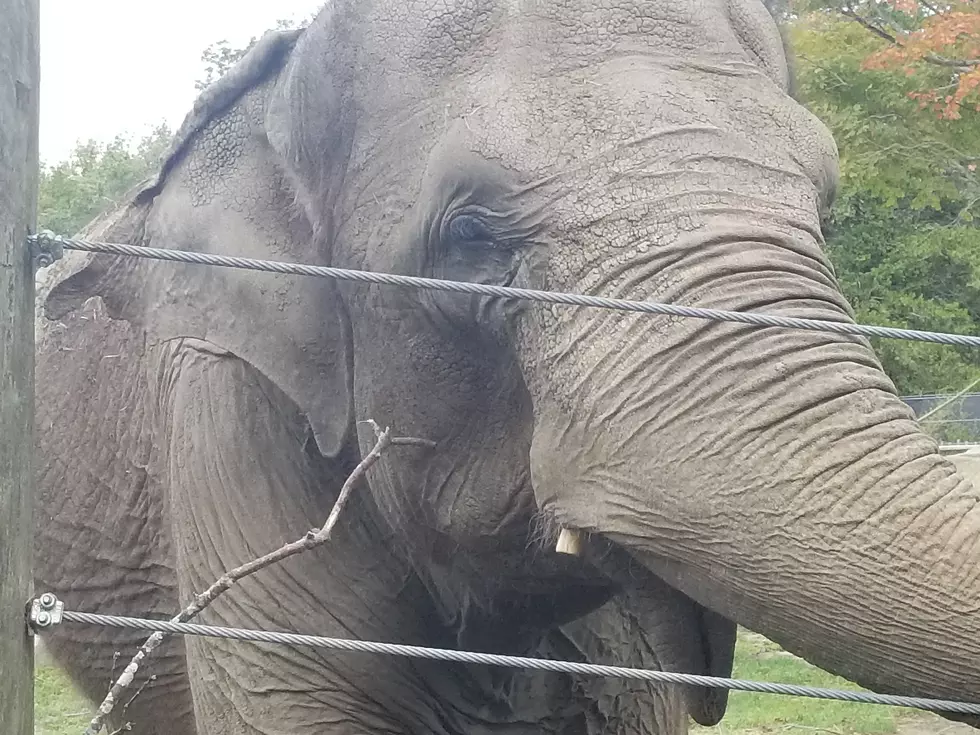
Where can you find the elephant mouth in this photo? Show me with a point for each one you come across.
(536, 587)
(500, 586)
(527, 565)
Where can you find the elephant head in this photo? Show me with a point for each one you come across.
(633, 149)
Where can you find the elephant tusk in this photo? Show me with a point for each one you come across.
(569, 542)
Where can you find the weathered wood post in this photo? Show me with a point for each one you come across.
(19, 79)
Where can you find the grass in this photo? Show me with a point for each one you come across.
(60, 710)
(759, 659)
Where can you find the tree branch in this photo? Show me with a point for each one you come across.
(312, 539)
(861, 20)
(961, 65)
(958, 64)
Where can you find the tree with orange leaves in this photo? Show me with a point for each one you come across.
(941, 37)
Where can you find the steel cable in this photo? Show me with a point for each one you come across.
(551, 297)
(518, 662)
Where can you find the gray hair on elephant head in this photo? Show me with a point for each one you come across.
(634, 149)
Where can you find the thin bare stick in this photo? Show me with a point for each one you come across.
(112, 673)
(941, 406)
(312, 539)
(144, 685)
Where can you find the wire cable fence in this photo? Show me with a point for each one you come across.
(49, 242)
(514, 662)
(49, 247)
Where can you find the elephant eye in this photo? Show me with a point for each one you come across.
(468, 228)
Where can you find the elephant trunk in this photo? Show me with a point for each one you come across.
(771, 475)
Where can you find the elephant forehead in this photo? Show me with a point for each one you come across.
(429, 36)
(635, 117)
(678, 24)
(405, 37)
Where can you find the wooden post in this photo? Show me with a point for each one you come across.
(19, 79)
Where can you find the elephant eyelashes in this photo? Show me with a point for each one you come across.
(469, 229)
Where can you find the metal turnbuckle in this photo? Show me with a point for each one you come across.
(46, 610)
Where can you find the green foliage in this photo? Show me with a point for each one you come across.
(94, 179)
(903, 235)
(890, 149)
(938, 42)
(219, 57)
(925, 277)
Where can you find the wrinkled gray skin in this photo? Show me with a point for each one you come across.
(191, 418)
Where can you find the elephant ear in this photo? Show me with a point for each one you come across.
(224, 189)
(309, 118)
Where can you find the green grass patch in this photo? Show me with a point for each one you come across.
(761, 660)
(58, 707)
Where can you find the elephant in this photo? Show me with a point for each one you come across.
(699, 475)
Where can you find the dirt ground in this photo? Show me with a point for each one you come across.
(927, 724)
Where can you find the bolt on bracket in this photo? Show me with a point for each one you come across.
(46, 610)
(46, 248)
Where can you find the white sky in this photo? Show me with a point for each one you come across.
(123, 66)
